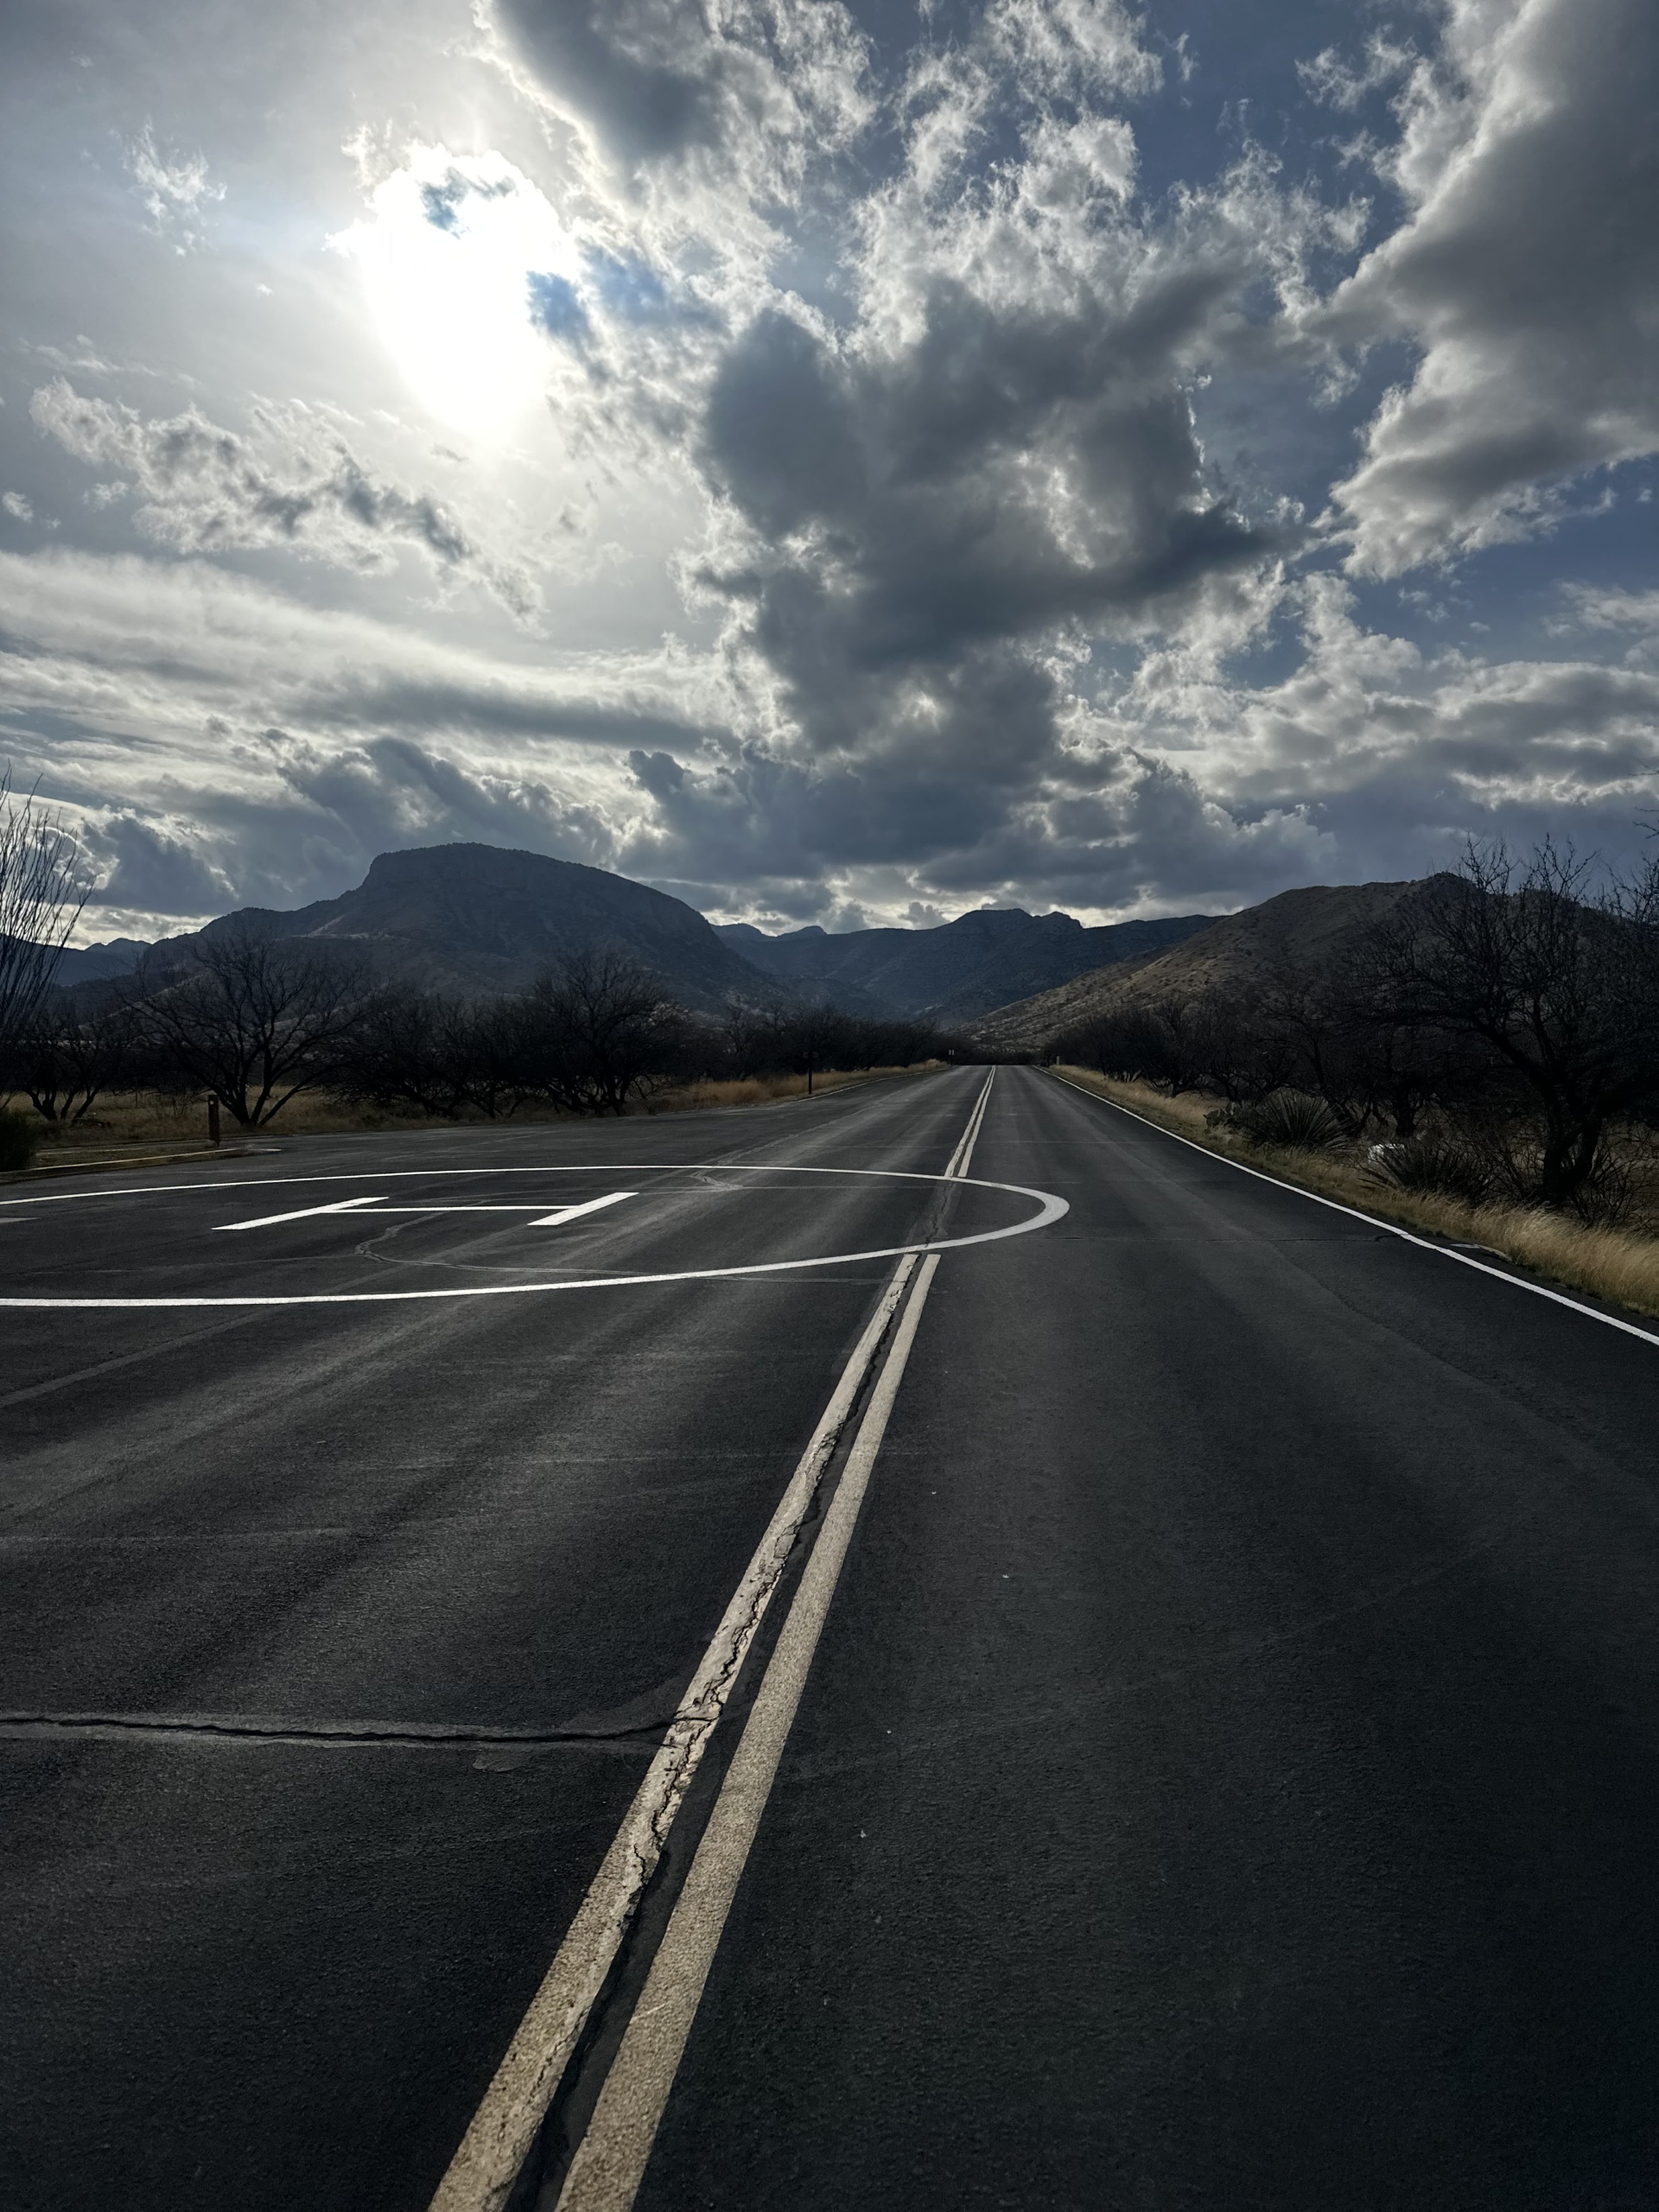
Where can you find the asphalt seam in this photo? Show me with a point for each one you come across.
(417, 1735)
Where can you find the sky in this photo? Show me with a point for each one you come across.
(846, 464)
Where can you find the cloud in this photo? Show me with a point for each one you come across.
(966, 417)
(1609, 607)
(176, 189)
(1527, 272)
(1338, 83)
(119, 646)
(929, 503)
(750, 96)
(148, 868)
(17, 507)
(207, 489)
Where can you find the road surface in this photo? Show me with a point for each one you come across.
(1224, 1775)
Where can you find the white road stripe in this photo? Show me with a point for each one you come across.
(610, 2160)
(350, 1205)
(482, 2172)
(302, 1213)
(573, 1213)
(544, 1221)
(1050, 1209)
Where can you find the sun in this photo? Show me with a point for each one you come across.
(447, 256)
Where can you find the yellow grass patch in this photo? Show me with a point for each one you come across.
(1620, 1265)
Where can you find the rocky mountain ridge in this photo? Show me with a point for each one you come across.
(1313, 927)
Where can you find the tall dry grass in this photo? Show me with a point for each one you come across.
(1620, 1265)
(767, 1089)
(126, 1124)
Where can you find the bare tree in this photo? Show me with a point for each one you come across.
(410, 1048)
(815, 1037)
(502, 1051)
(600, 1029)
(253, 1018)
(71, 1053)
(1203, 1042)
(1558, 982)
(42, 890)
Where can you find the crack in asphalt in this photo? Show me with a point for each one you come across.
(406, 1735)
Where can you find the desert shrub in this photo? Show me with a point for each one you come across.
(1607, 1196)
(17, 1139)
(1294, 1120)
(1447, 1167)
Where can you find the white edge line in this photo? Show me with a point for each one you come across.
(1373, 1221)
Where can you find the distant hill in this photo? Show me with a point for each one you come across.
(1311, 927)
(478, 919)
(955, 972)
(94, 963)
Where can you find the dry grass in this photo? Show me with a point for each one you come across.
(765, 1089)
(127, 1124)
(137, 1122)
(1620, 1265)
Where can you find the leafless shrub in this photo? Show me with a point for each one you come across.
(43, 887)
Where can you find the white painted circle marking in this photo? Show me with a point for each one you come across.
(1050, 1209)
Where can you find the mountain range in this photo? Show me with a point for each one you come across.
(1311, 929)
(472, 919)
(95, 964)
(954, 972)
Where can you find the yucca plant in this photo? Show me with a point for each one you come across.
(1442, 1166)
(1294, 1120)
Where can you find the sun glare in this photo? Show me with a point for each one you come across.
(447, 258)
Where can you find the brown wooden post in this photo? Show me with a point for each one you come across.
(213, 1117)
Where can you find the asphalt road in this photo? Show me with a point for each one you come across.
(1226, 1778)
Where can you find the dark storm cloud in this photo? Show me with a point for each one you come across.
(654, 83)
(143, 866)
(647, 75)
(332, 809)
(392, 792)
(907, 485)
(1145, 832)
